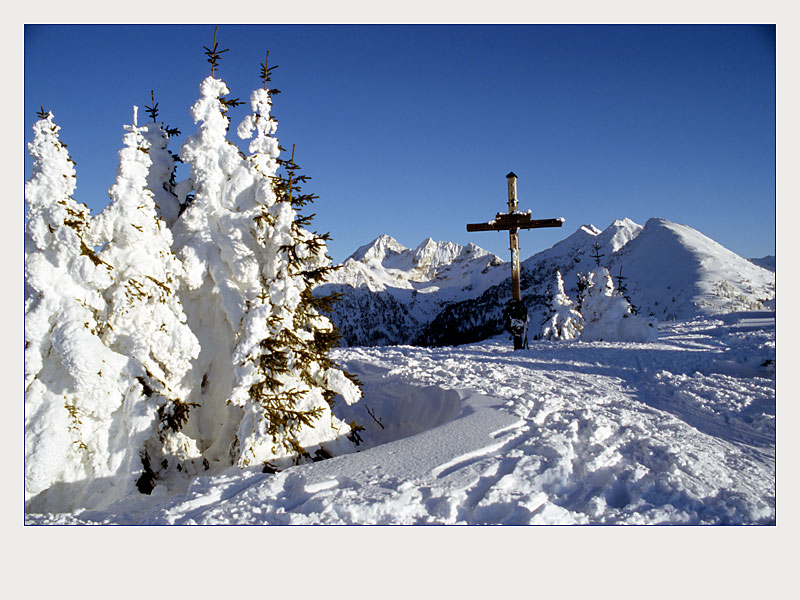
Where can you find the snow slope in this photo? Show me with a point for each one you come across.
(675, 272)
(679, 431)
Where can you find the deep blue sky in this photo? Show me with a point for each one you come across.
(410, 130)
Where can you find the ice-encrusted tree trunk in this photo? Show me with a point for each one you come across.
(258, 389)
(145, 319)
(608, 315)
(73, 383)
(563, 321)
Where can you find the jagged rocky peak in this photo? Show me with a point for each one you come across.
(382, 247)
(430, 256)
(425, 261)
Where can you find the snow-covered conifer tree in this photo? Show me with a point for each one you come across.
(263, 383)
(161, 174)
(73, 387)
(141, 363)
(145, 319)
(582, 286)
(212, 240)
(608, 316)
(286, 383)
(563, 322)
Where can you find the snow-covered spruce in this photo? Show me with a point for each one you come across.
(563, 322)
(145, 319)
(262, 382)
(75, 386)
(608, 315)
(161, 174)
(285, 381)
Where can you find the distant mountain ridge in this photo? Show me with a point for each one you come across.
(389, 292)
(765, 262)
(441, 293)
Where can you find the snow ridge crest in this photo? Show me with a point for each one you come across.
(388, 261)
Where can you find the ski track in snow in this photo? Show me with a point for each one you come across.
(677, 431)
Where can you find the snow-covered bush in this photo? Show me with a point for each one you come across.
(608, 316)
(563, 321)
(165, 339)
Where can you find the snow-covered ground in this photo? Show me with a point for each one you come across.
(678, 431)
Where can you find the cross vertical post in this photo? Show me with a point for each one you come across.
(513, 221)
(513, 238)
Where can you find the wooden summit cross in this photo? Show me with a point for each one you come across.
(513, 221)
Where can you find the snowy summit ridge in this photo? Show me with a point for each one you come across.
(385, 262)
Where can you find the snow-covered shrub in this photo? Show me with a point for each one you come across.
(563, 321)
(607, 314)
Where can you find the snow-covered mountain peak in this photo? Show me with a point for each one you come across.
(689, 238)
(385, 261)
(432, 253)
(382, 247)
(613, 237)
(577, 252)
(430, 257)
(677, 272)
(619, 233)
(390, 291)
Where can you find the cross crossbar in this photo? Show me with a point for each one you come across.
(505, 222)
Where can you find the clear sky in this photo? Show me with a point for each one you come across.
(409, 130)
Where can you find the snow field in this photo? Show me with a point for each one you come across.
(562, 433)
